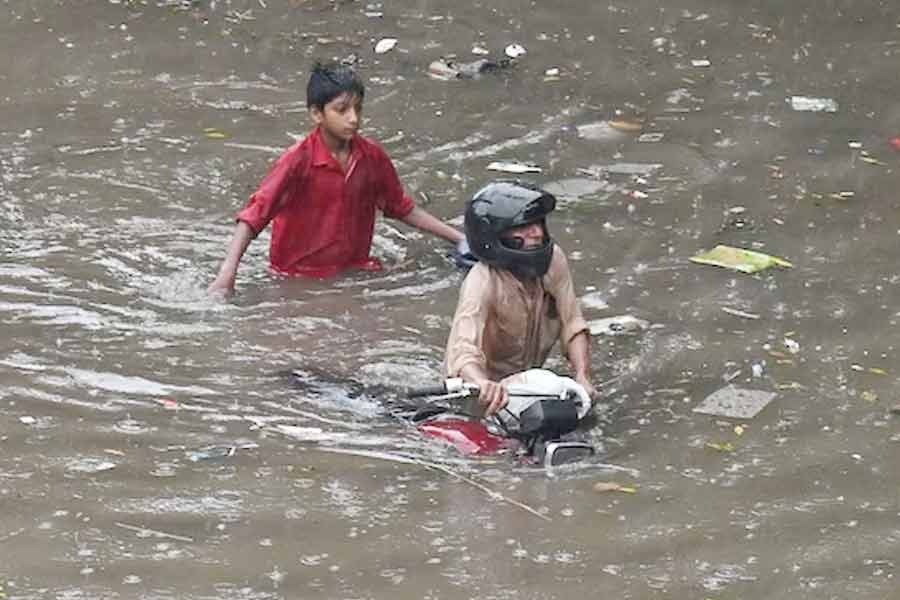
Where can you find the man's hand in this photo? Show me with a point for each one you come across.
(585, 382)
(492, 396)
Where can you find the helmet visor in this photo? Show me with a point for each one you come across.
(536, 209)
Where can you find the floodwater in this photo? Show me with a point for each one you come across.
(152, 446)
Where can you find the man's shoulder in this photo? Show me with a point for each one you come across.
(558, 272)
(479, 277)
(559, 262)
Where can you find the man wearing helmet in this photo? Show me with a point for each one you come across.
(518, 299)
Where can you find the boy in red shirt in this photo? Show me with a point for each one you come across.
(322, 193)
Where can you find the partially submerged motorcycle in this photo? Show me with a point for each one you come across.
(539, 422)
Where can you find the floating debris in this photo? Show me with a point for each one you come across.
(595, 300)
(446, 70)
(739, 259)
(734, 402)
(90, 465)
(808, 104)
(146, 532)
(612, 486)
(721, 446)
(615, 326)
(214, 452)
(651, 138)
(215, 134)
(622, 168)
(869, 396)
(513, 167)
(385, 45)
(739, 313)
(599, 131)
(624, 125)
(515, 50)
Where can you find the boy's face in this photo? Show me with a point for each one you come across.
(340, 117)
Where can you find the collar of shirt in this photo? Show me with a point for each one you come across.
(322, 156)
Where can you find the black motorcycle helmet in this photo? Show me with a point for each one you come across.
(500, 206)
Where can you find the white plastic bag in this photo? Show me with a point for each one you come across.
(547, 383)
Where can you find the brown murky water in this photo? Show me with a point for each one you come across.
(131, 132)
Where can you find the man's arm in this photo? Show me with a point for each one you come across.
(465, 356)
(579, 353)
(224, 282)
(425, 221)
(491, 394)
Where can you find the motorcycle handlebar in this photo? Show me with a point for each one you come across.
(449, 386)
(433, 390)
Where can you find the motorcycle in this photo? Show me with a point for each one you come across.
(539, 422)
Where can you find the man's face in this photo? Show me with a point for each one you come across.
(524, 237)
(340, 118)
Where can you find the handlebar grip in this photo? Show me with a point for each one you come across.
(432, 390)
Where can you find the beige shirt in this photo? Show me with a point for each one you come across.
(506, 325)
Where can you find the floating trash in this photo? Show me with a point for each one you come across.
(612, 486)
(595, 300)
(700, 62)
(622, 168)
(808, 104)
(575, 188)
(599, 131)
(651, 138)
(745, 261)
(385, 45)
(625, 125)
(214, 452)
(513, 167)
(740, 313)
(90, 465)
(721, 446)
(446, 70)
(615, 326)
(215, 134)
(514, 50)
(734, 402)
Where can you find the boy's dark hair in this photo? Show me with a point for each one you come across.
(328, 81)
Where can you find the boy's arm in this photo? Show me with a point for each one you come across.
(224, 282)
(425, 221)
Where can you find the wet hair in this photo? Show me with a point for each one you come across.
(328, 81)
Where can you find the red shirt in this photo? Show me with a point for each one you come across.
(322, 217)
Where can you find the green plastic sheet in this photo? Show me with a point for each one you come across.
(745, 261)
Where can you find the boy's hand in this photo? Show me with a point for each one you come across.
(222, 287)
